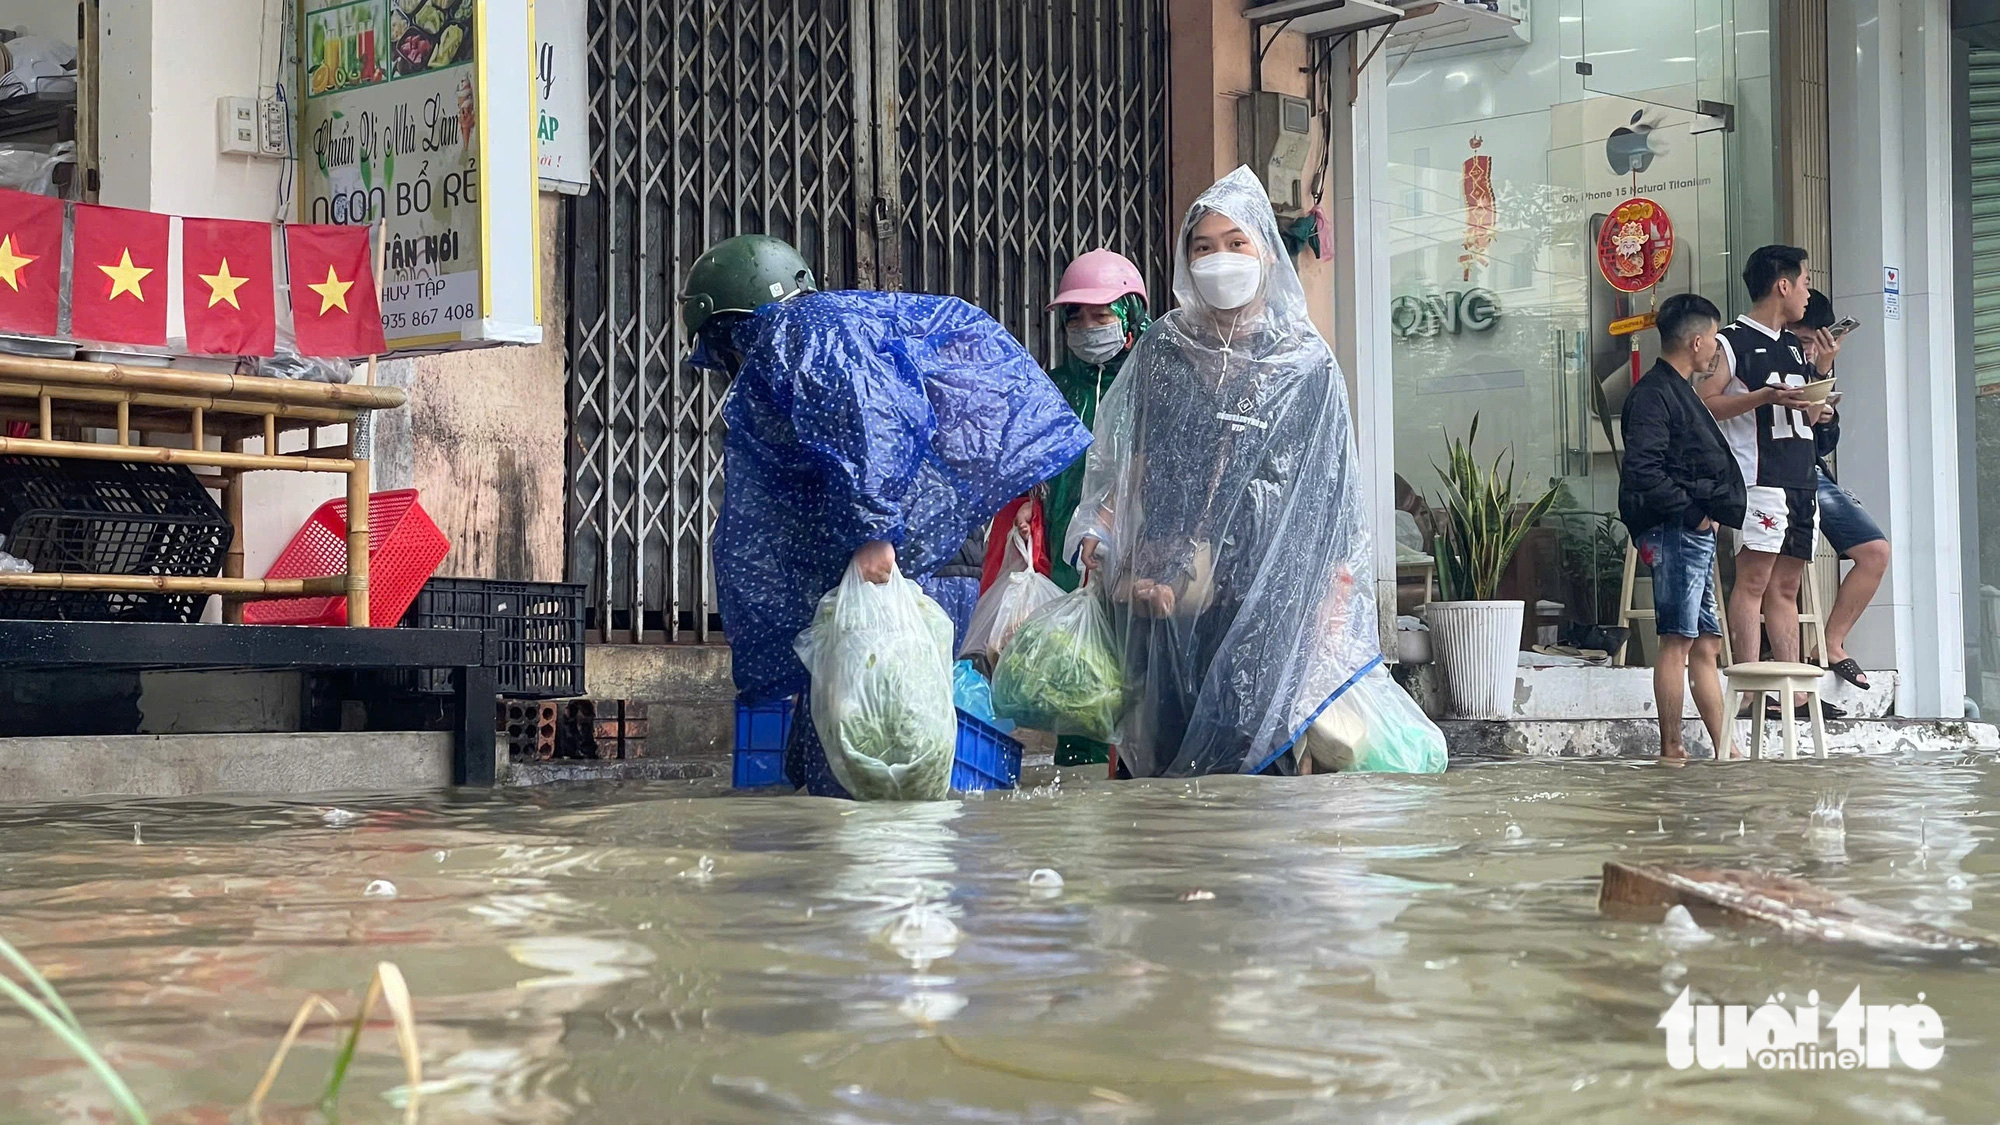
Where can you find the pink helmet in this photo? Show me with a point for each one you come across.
(1099, 278)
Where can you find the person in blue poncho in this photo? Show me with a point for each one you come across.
(881, 428)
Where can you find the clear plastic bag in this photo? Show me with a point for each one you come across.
(880, 661)
(1061, 673)
(974, 695)
(11, 565)
(28, 168)
(288, 364)
(1013, 598)
(1375, 727)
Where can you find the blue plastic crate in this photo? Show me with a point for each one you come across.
(756, 769)
(986, 758)
(762, 731)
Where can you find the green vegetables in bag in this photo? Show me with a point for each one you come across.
(1060, 672)
(880, 660)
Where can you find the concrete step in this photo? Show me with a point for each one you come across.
(1572, 692)
(182, 765)
(1640, 738)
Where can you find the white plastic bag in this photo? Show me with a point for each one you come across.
(1375, 727)
(1018, 592)
(880, 660)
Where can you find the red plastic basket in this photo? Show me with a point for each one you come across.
(404, 549)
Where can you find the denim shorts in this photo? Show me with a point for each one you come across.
(1846, 523)
(1683, 565)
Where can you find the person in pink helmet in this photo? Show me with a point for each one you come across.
(1102, 298)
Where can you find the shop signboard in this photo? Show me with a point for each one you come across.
(562, 128)
(419, 114)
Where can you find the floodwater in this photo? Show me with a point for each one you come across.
(1366, 949)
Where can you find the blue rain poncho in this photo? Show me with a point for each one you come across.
(1225, 471)
(855, 417)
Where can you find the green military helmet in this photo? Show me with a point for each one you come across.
(739, 274)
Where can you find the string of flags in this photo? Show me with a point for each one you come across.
(118, 280)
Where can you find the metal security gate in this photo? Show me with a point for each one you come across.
(949, 146)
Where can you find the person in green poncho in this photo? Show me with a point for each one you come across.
(1102, 297)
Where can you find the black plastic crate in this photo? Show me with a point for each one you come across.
(534, 632)
(70, 516)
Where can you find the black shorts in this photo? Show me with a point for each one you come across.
(1781, 521)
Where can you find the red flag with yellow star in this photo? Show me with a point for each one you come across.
(335, 310)
(226, 287)
(118, 276)
(31, 239)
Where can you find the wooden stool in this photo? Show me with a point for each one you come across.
(1761, 678)
(1628, 613)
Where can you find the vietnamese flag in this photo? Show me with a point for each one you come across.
(118, 276)
(31, 246)
(335, 310)
(226, 287)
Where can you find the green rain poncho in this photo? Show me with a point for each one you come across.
(1084, 385)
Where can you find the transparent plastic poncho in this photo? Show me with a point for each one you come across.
(1224, 469)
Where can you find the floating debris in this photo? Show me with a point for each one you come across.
(1792, 906)
(338, 817)
(1197, 895)
(1513, 832)
(380, 888)
(703, 870)
(135, 835)
(1046, 879)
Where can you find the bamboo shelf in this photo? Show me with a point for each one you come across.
(66, 401)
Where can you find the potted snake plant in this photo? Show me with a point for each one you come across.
(1478, 635)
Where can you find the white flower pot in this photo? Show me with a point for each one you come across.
(1479, 649)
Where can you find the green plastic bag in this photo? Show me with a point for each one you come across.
(1375, 727)
(880, 659)
(1060, 672)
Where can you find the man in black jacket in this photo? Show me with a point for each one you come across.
(1679, 483)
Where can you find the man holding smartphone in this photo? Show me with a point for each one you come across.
(1753, 392)
(1853, 532)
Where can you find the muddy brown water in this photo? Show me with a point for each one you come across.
(1368, 949)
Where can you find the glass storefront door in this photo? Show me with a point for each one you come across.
(1977, 65)
(1505, 164)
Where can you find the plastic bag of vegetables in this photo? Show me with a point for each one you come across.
(1375, 727)
(1060, 673)
(1017, 593)
(880, 659)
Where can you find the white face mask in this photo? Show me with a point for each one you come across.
(1097, 343)
(1227, 281)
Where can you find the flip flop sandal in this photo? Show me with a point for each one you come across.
(1850, 670)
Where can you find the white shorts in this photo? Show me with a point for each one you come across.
(1780, 521)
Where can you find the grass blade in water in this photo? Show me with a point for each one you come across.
(40, 982)
(80, 1047)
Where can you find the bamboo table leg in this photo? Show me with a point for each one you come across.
(232, 509)
(357, 545)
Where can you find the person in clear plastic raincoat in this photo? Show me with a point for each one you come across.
(1222, 509)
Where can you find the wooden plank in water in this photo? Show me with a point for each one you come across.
(1792, 906)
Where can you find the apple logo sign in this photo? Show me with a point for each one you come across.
(1632, 147)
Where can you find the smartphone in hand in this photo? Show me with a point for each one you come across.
(1843, 326)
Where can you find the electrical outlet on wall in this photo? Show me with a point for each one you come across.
(236, 124)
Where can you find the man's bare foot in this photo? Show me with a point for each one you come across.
(1735, 753)
(1676, 755)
